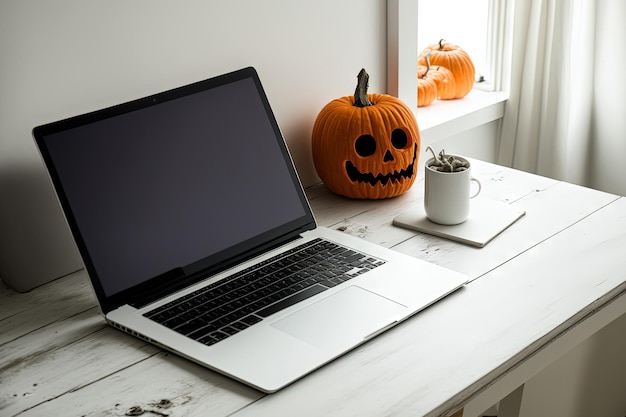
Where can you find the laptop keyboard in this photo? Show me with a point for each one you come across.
(231, 305)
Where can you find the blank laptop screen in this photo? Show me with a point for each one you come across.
(168, 185)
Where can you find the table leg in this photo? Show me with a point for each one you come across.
(511, 404)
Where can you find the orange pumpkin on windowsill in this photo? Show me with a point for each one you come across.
(366, 146)
(443, 78)
(456, 60)
(426, 88)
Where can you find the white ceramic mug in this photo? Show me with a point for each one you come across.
(447, 194)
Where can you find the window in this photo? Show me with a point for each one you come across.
(485, 103)
(481, 27)
(461, 22)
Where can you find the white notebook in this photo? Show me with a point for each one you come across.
(487, 219)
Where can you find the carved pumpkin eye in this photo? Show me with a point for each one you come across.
(365, 145)
(399, 139)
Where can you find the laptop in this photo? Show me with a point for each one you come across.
(197, 236)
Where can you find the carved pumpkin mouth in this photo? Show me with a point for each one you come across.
(397, 176)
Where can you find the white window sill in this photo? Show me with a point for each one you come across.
(445, 118)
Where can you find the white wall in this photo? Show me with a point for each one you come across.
(65, 57)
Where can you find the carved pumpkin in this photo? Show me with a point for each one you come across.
(454, 59)
(366, 146)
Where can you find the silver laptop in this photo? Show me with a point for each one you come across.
(197, 236)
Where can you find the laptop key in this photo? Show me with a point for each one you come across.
(239, 325)
(208, 340)
(289, 301)
(251, 319)
(230, 330)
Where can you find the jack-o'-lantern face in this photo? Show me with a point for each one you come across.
(366, 152)
(386, 160)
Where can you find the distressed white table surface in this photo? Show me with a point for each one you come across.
(549, 281)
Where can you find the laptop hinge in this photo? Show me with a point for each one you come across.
(176, 279)
(158, 286)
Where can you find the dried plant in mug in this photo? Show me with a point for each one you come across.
(446, 163)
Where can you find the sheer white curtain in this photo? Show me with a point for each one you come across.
(566, 117)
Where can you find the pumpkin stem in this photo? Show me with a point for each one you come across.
(427, 64)
(441, 44)
(360, 94)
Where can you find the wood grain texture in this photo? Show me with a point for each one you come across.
(21, 313)
(550, 273)
(162, 384)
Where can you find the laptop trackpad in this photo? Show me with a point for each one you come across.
(347, 316)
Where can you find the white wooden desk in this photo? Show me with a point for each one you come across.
(554, 278)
